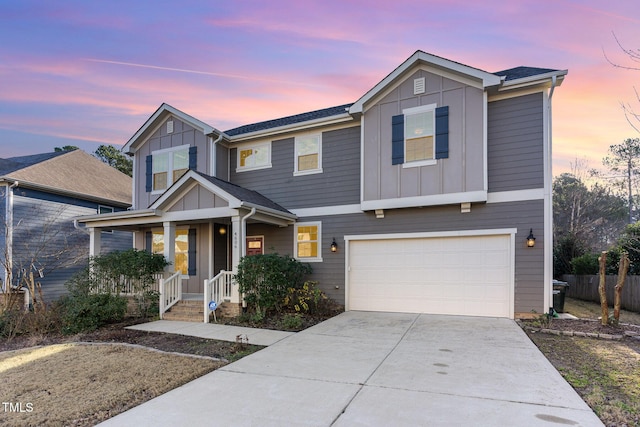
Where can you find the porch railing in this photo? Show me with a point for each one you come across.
(170, 292)
(126, 286)
(221, 288)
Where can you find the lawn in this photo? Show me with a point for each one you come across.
(84, 379)
(606, 373)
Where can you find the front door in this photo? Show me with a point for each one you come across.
(255, 245)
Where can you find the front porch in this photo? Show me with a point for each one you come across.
(199, 225)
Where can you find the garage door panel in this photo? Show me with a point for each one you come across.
(449, 275)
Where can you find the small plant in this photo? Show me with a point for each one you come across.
(292, 321)
(307, 299)
(542, 321)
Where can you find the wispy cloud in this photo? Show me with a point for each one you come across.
(206, 73)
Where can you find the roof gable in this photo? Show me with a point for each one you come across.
(484, 78)
(160, 115)
(235, 195)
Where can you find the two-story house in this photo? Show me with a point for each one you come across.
(418, 197)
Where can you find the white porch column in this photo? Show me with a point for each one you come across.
(237, 236)
(95, 236)
(170, 244)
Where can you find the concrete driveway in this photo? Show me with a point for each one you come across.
(380, 369)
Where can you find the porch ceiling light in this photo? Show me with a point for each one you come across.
(531, 241)
(334, 245)
(222, 230)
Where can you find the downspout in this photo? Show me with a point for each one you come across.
(243, 243)
(243, 228)
(8, 273)
(214, 157)
(548, 247)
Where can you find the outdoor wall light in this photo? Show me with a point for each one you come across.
(222, 230)
(531, 241)
(334, 245)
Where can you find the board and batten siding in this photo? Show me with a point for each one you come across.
(338, 184)
(515, 155)
(461, 171)
(183, 134)
(330, 273)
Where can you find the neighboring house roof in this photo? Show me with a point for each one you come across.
(289, 120)
(74, 173)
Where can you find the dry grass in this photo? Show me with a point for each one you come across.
(74, 384)
(591, 310)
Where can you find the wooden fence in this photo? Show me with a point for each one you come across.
(586, 288)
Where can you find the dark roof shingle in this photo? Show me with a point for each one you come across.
(244, 194)
(289, 120)
(522, 72)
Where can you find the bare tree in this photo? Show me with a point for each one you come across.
(632, 55)
(42, 241)
(624, 161)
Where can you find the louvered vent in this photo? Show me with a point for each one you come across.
(418, 86)
(170, 126)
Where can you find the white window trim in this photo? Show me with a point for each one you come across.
(417, 110)
(170, 170)
(295, 241)
(296, 172)
(253, 146)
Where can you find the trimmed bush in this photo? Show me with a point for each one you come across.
(265, 280)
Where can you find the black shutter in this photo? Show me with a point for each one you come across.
(149, 186)
(193, 158)
(397, 139)
(442, 132)
(191, 268)
(148, 242)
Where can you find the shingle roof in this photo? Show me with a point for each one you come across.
(244, 194)
(289, 120)
(12, 164)
(522, 72)
(74, 172)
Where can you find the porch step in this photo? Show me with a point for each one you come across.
(186, 311)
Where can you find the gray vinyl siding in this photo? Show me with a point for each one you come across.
(338, 184)
(44, 231)
(183, 134)
(222, 162)
(463, 169)
(330, 273)
(515, 143)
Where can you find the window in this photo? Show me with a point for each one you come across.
(105, 210)
(420, 136)
(184, 245)
(308, 154)
(254, 157)
(168, 166)
(308, 242)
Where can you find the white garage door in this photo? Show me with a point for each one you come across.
(468, 275)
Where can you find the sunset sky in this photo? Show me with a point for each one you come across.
(87, 73)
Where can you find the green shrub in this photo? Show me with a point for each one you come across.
(291, 321)
(585, 264)
(265, 280)
(84, 310)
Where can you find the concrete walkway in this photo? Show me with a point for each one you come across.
(214, 331)
(379, 369)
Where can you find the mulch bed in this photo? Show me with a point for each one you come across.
(592, 328)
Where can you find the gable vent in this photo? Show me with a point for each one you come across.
(418, 86)
(170, 126)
